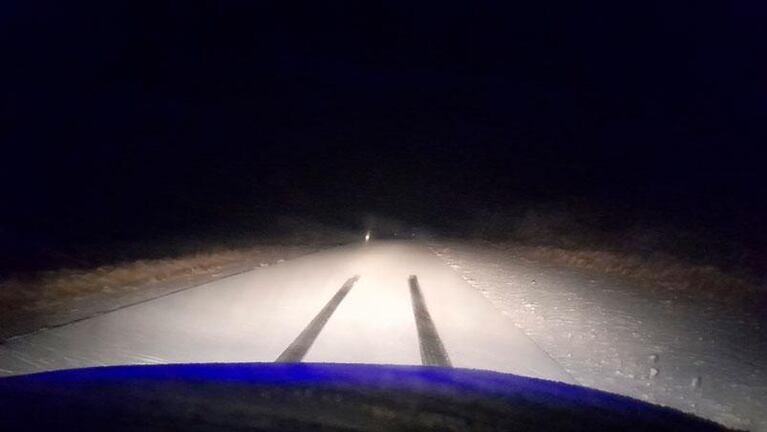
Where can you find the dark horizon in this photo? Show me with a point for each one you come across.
(125, 119)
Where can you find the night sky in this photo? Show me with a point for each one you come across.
(128, 118)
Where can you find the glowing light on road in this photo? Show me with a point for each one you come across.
(367, 236)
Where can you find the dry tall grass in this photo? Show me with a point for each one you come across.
(660, 270)
(619, 243)
(50, 292)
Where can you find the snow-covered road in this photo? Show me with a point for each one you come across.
(256, 316)
(481, 307)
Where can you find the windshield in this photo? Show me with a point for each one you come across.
(558, 192)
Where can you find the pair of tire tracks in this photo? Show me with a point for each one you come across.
(432, 349)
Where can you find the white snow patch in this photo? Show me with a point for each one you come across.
(686, 350)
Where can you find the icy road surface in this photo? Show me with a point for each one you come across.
(311, 309)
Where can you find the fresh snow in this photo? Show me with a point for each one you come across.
(254, 316)
(493, 310)
(692, 351)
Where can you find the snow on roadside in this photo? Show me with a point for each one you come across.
(32, 302)
(693, 352)
(67, 296)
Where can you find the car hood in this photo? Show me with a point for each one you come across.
(296, 397)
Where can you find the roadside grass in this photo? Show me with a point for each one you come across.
(660, 270)
(104, 276)
(582, 237)
(43, 290)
